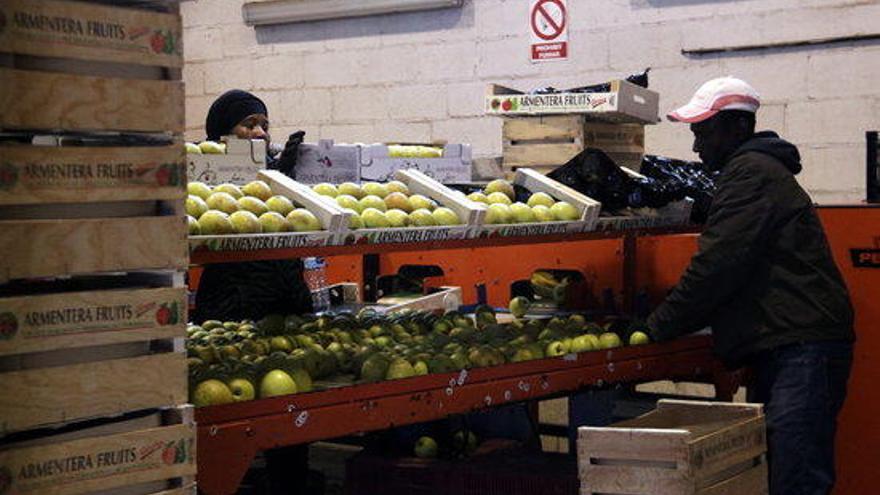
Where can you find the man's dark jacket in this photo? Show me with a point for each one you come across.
(763, 275)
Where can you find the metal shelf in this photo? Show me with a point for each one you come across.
(230, 435)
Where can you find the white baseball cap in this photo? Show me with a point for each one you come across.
(724, 93)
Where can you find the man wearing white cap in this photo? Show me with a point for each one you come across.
(764, 279)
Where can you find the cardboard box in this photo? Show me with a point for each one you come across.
(239, 165)
(469, 212)
(325, 161)
(536, 182)
(453, 166)
(625, 103)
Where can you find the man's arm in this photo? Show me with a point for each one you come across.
(736, 233)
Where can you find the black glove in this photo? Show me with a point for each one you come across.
(286, 162)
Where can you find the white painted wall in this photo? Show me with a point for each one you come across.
(422, 76)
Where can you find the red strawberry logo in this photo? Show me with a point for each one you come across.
(506, 105)
(8, 326)
(169, 454)
(163, 176)
(495, 103)
(163, 315)
(157, 42)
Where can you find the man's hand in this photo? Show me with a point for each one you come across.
(287, 160)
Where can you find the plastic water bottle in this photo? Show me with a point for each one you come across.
(316, 279)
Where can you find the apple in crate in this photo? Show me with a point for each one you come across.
(215, 222)
(199, 189)
(351, 189)
(374, 218)
(245, 222)
(372, 201)
(231, 189)
(280, 204)
(397, 218)
(273, 221)
(212, 147)
(348, 201)
(253, 205)
(257, 189)
(195, 206)
(543, 214)
(445, 216)
(522, 213)
(565, 212)
(422, 217)
(541, 198)
(303, 220)
(326, 189)
(498, 198)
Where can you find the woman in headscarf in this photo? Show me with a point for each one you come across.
(252, 290)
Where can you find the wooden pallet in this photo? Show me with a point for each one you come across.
(152, 452)
(78, 348)
(681, 448)
(546, 142)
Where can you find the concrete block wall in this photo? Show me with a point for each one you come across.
(422, 76)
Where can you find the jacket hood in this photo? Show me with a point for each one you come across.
(769, 143)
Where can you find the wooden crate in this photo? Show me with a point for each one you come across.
(149, 453)
(79, 348)
(682, 447)
(546, 142)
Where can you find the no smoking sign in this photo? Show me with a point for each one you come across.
(548, 27)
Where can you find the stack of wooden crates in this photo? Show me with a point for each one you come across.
(93, 243)
(545, 142)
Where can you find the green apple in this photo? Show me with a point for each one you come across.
(519, 306)
(375, 189)
(565, 212)
(242, 390)
(639, 338)
(541, 198)
(275, 383)
(302, 220)
(193, 225)
(199, 189)
(195, 206)
(193, 148)
(543, 214)
(609, 340)
(215, 222)
(351, 189)
(522, 213)
(230, 189)
(223, 202)
(478, 197)
(348, 201)
(302, 379)
(212, 147)
(417, 201)
(253, 204)
(498, 198)
(583, 343)
(280, 204)
(397, 186)
(326, 189)
(422, 217)
(426, 448)
(397, 200)
(420, 368)
(502, 186)
(555, 348)
(397, 218)
(372, 201)
(498, 213)
(245, 222)
(445, 216)
(465, 441)
(375, 219)
(257, 189)
(272, 221)
(211, 393)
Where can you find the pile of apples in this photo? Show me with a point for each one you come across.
(499, 196)
(376, 205)
(250, 209)
(206, 148)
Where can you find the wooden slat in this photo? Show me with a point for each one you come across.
(727, 447)
(83, 31)
(470, 212)
(189, 489)
(44, 100)
(80, 319)
(332, 218)
(614, 138)
(750, 482)
(539, 154)
(44, 248)
(537, 182)
(625, 443)
(46, 396)
(50, 174)
(640, 480)
(102, 463)
(565, 128)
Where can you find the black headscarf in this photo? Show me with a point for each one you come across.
(229, 109)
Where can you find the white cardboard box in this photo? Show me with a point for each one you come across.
(625, 103)
(325, 161)
(239, 165)
(454, 166)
